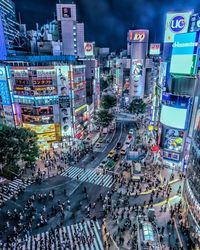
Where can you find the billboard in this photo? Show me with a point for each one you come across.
(139, 36)
(137, 67)
(64, 79)
(176, 23)
(40, 129)
(154, 49)
(4, 88)
(137, 77)
(173, 140)
(194, 22)
(46, 137)
(66, 12)
(184, 54)
(89, 49)
(173, 117)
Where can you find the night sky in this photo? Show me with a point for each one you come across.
(107, 21)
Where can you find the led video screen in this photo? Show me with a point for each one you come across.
(173, 117)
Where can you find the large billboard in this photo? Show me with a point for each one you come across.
(184, 54)
(64, 90)
(173, 117)
(89, 49)
(176, 23)
(137, 77)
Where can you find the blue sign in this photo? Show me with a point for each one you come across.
(177, 23)
(186, 44)
(4, 92)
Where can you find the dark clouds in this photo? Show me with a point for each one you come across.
(107, 21)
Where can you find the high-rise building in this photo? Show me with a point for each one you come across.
(72, 32)
(8, 17)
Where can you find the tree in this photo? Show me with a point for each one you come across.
(103, 84)
(137, 106)
(103, 118)
(108, 101)
(16, 144)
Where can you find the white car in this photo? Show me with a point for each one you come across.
(131, 131)
(103, 163)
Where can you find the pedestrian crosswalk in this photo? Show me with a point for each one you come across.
(81, 236)
(88, 175)
(11, 189)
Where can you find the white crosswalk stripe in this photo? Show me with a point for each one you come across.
(88, 175)
(81, 236)
(12, 189)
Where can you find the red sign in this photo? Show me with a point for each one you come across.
(88, 47)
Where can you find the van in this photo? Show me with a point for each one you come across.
(123, 150)
(105, 131)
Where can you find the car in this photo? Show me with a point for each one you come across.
(116, 157)
(127, 143)
(103, 163)
(100, 140)
(118, 146)
(110, 164)
(111, 153)
(131, 131)
(98, 145)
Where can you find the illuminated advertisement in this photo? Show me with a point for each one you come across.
(37, 119)
(37, 111)
(4, 88)
(140, 36)
(173, 140)
(62, 80)
(35, 90)
(20, 73)
(194, 22)
(46, 73)
(66, 12)
(89, 49)
(171, 155)
(40, 129)
(46, 137)
(184, 54)
(154, 49)
(174, 111)
(176, 23)
(173, 117)
(22, 81)
(137, 77)
(41, 82)
(162, 73)
(137, 67)
(64, 91)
